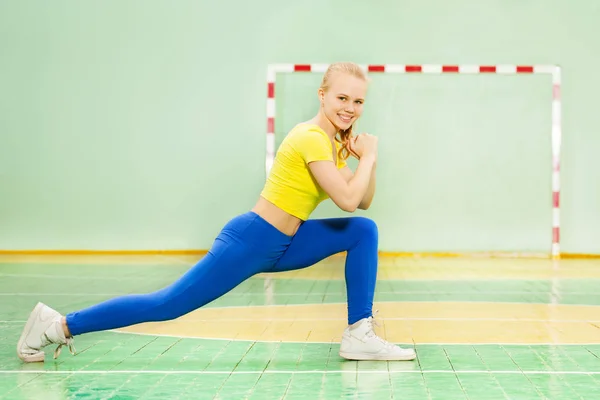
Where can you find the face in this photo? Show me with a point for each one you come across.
(343, 101)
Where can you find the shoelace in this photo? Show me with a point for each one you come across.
(371, 333)
(70, 343)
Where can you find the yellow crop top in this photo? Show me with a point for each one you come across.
(290, 184)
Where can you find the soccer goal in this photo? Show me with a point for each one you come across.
(504, 147)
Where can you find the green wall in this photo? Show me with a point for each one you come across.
(140, 125)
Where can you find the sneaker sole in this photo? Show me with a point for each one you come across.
(37, 357)
(375, 357)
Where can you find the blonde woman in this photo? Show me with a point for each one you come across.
(276, 235)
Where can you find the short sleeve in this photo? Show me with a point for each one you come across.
(312, 145)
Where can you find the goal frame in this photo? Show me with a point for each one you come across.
(501, 69)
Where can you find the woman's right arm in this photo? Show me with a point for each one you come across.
(346, 195)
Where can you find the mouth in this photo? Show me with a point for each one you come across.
(345, 118)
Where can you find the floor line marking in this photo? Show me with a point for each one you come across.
(286, 294)
(187, 320)
(260, 371)
(337, 341)
(404, 302)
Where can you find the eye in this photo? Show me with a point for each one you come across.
(342, 98)
(359, 101)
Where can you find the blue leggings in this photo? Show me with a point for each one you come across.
(248, 245)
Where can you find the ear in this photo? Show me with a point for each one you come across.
(321, 94)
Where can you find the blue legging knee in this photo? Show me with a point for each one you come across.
(248, 245)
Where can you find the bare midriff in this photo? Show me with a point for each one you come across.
(284, 222)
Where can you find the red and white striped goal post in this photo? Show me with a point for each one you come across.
(504, 69)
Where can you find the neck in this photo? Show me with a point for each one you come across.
(324, 123)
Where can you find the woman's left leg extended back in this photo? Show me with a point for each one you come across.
(235, 256)
(246, 246)
(320, 238)
(213, 276)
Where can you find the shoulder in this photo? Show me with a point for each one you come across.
(305, 133)
(310, 142)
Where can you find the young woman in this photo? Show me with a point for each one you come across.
(276, 235)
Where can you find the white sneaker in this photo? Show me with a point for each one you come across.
(43, 327)
(360, 342)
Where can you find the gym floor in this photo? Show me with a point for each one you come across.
(483, 328)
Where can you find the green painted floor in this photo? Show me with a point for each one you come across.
(111, 365)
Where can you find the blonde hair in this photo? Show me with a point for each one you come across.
(351, 69)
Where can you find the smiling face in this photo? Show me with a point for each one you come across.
(342, 95)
